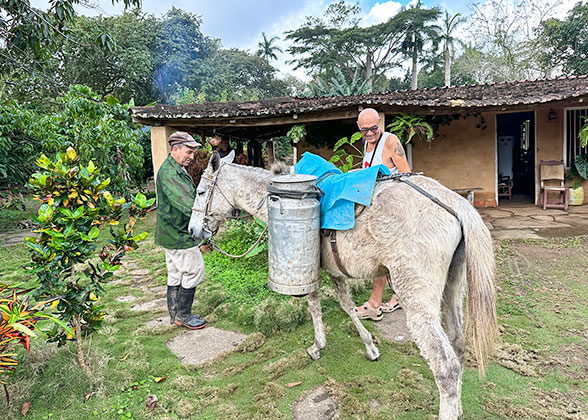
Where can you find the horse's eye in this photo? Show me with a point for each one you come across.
(200, 192)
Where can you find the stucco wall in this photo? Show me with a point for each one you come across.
(462, 156)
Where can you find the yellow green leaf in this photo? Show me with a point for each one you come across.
(71, 153)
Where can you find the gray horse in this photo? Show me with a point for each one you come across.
(431, 256)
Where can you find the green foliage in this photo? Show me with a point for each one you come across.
(338, 85)
(564, 43)
(336, 41)
(407, 126)
(76, 208)
(266, 48)
(98, 129)
(343, 159)
(18, 323)
(296, 133)
(583, 133)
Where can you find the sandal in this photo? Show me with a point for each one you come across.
(387, 307)
(375, 314)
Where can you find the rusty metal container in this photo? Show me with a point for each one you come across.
(293, 235)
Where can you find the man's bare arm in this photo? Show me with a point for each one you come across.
(395, 152)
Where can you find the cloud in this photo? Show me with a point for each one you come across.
(381, 12)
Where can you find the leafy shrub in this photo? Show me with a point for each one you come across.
(76, 208)
(18, 322)
(98, 129)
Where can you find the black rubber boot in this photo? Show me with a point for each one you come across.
(184, 315)
(172, 302)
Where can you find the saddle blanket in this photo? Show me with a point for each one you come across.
(341, 191)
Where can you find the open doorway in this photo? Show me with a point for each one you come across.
(516, 156)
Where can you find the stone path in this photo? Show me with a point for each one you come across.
(199, 346)
(14, 237)
(524, 221)
(318, 404)
(393, 327)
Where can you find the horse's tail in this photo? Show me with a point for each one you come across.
(481, 324)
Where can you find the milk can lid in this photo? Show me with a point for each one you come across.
(296, 182)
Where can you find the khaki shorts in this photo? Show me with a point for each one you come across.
(185, 267)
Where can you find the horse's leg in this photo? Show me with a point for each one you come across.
(342, 289)
(423, 318)
(451, 306)
(320, 340)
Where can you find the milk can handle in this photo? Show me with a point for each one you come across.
(276, 198)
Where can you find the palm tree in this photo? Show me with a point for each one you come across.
(448, 39)
(266, 49)
(418, 34)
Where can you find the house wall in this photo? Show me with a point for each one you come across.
(462, 156)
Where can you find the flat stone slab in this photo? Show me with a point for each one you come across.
(15, 237)
(155, 290)
(126, 299)
(318, 404)
(195, 347)
(139, 272)
(495, 213)
(526, 223)
(160, 322)
(152, 305)
(515, 234)
(393, 327)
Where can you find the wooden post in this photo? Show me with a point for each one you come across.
(382, 121)
(159, 146)
(270, 152)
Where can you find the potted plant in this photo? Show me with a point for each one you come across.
(579, 171)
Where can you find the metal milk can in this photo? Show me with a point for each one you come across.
(293, 234)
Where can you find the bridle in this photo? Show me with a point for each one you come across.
(208, 214)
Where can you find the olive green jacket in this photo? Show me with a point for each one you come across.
(175, 197)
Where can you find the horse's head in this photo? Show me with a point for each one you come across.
(211, 206)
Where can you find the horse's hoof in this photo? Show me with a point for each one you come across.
(313, 352)
(372, 354)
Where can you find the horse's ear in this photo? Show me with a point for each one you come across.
(214, 162)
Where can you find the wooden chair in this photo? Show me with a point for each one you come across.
(504, 186)
(552, 173)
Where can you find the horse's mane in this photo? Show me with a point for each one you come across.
(279, 168)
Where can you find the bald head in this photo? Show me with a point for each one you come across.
(368, 123)
(368, 114)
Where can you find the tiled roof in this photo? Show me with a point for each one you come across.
(472, 97)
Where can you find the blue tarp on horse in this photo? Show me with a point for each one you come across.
(341, 191)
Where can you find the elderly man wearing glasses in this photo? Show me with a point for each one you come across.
(379, 148)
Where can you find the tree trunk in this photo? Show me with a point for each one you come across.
(78, 326)
(447, 58)
(369, 71)
(415, 72)
(81, 359)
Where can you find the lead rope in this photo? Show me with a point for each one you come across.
(217, 248)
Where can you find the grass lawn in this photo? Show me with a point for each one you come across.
(539, 370)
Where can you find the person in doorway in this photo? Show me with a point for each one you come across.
(221, 144)
(175, 197)
(380, 147)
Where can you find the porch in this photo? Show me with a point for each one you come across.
(522, 220)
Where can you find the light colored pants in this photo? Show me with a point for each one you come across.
(185, 267)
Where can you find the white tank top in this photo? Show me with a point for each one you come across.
(379, 152)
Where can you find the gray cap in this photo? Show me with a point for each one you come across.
(182, 138)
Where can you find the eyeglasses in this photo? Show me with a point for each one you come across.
(373, 129)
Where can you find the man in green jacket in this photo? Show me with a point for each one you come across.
(175, 197)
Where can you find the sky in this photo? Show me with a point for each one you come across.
(240, 23)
